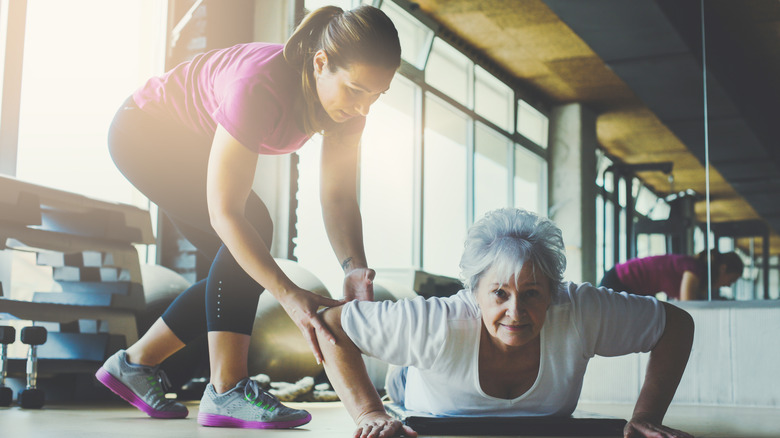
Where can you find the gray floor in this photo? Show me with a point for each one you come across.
(117, 419)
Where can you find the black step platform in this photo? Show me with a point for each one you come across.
(579, 424)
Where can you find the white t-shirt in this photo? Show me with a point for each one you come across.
(438, 338)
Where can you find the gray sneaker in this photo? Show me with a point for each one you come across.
(142, 386)
(247, 406)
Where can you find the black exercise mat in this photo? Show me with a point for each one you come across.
(579, 424)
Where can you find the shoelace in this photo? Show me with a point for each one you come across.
(259, 397)
(160, 382)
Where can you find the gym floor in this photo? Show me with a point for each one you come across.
(330, 420)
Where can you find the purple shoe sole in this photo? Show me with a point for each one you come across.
(213, 420)
(119, 388)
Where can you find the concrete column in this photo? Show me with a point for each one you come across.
(572, 185)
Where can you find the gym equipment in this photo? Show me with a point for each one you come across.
(385, 290)
(7, 337)
(160, 287)
(31, 397)
(421, 282)
(95, 285)
(278, 348)
(578, 424)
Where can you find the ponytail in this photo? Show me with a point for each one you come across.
(303, 43)
(299, 52)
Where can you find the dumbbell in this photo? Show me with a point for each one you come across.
(7, 337)
(31, 397)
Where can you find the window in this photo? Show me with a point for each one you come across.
(387, 189)
(311, 5)
(491, 173)
(603, 178)
(419, 186)
(648, 204)
(530, 181)
(77, 71)
(444, 187)
(414, 36)
(450, 71)
(531, 123)
(493, 99)
(605, 253)
(312, 248)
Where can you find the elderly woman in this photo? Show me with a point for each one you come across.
(514, 342)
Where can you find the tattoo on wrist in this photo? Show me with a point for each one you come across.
(345, 263)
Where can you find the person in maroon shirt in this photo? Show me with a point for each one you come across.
(681, 277)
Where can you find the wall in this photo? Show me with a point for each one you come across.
(734, 360)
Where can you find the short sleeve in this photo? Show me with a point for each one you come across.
(249, 113)
(614, 324)
(408, 332)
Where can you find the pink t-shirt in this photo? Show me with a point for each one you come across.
(249, 89)
(663, 273)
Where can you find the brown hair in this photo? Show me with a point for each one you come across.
(361, 35)
(731, 260)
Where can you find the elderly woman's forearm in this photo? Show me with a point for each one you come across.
(347, 371)
(666, 366)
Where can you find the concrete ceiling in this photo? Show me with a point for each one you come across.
(638, 65)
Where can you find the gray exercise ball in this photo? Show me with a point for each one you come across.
(278, 348)
(161, 285)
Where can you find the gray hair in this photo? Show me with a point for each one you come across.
(505, 239)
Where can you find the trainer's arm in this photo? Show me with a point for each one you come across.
(664, 371)
(689, 287)
(349, 377)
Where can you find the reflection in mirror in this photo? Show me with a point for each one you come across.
(711, 72)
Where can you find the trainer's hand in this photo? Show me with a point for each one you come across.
(301, 305)
(359, 284)
(647, 429)
(381, 425)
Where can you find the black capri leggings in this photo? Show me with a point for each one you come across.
(612, 281)
(167, 162)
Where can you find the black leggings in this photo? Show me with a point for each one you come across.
(612, 281)
(167, 162)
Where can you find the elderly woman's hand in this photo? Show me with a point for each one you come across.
(637, 428)
(381, 425)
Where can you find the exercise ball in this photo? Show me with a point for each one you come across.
(161, 286)
(385, 290)
(391, 290)
(278, 348)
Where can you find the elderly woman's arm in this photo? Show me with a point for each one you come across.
(347, 373)
(664, 371)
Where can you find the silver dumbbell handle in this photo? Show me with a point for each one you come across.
(3, 364)
(32, 367)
